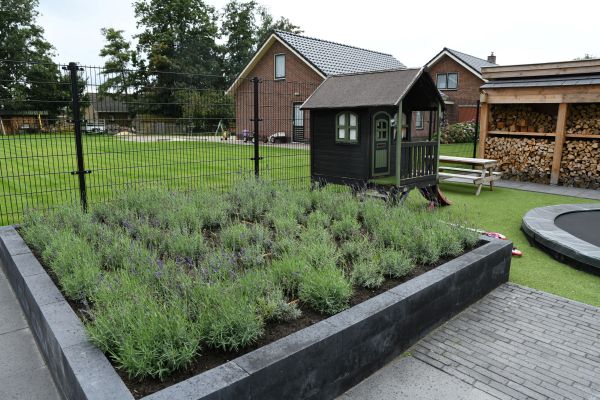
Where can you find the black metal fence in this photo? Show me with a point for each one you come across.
(73, 134)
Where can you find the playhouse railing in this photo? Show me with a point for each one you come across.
(419, 161)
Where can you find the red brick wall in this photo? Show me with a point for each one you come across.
(467, 93)
(276, 96)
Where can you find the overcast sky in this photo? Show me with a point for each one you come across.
(517, 31)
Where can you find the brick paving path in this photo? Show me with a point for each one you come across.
(520, 343)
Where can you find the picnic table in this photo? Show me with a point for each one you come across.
(481, 174)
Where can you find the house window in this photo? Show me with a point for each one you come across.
(447, 81)
(346, 128)
(419, 120)
(279, 66)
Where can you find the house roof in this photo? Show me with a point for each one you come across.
(104, 103)
(335, 58)
(384, 88)
(324, 57)
(466, 60)
(544, 82)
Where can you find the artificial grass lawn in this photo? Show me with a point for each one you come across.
(501, 211)
(35, 170)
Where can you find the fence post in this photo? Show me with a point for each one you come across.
(81, 171)
(476, 133)
(256, 120)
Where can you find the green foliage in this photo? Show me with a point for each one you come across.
(75, 264)
(461, 132)
(146, 336)
(167, 273)
(326, 289)
(367, 273)
(345, 228)
(394, 263)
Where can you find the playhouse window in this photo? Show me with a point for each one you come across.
(419, 120)
(279, 66)
(346, 128)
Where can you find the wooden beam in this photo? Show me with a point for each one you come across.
(543, 69)
(545, 134)
(582, 136)
(483, 128)
(399, 123)
(559, 141)
(556, 94)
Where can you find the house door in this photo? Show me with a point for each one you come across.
(297, 123)
(381, 144)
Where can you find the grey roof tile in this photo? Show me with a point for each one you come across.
(376, 89)
(474, 62)
(334, 58)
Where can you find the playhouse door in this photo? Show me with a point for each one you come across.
(381, 144)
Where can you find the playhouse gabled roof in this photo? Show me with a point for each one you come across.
(383, 88)
(324, 57)
(472, 63)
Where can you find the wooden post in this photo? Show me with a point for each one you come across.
(399, 124)
(559, 141)
(483, 127)
(438, 123)
(2, 127)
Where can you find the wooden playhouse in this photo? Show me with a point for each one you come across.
(355, 135)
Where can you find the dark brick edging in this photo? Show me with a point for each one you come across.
(320, 361)
(538, 224)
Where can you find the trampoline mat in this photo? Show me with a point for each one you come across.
(584, 225)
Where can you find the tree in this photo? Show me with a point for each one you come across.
(120, 58)
(585, 57)
(27, 71)
(246, 25)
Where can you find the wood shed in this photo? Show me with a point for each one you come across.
(355, 132)
(542, 121)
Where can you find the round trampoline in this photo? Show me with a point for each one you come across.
(570, 232)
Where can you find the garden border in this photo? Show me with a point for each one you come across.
(320, 361)
(539, 226)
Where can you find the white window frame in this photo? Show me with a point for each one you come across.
(419, 120)
(275, 66)
(445, 76)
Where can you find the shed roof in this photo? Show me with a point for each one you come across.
(333, 58)
(544, 82)
(108, 103)
(383, 88)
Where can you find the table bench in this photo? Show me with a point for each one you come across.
(481, 174)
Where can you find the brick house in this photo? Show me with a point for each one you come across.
(291, 67)
(458, 76)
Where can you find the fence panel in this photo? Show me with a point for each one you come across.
(140, 128)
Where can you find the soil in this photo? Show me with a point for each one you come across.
(211, 358)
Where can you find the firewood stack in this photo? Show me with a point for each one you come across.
(584, 119)
(520, 118)
(580, 164)
(522, 159)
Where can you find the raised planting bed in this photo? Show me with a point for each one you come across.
(316, 361)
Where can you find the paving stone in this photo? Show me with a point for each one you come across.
(19, 353)
(31, 384)
(520, 343)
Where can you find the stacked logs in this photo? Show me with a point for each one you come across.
(584, 119)
(580, 164)
(520, 118)
(522, 159)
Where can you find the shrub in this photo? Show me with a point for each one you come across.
(355, 249)
(145, 336)
(185, 248)
(288, 271)
(395, 263)
(251, 199)
(75, 264)
(212, 209)
(461, 132)
(317, 248)
(326, 290)
(318, 219)
(367, 273)
(345, 228)
(230, 321)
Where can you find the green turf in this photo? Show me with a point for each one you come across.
(501, 211)
(35, 170)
